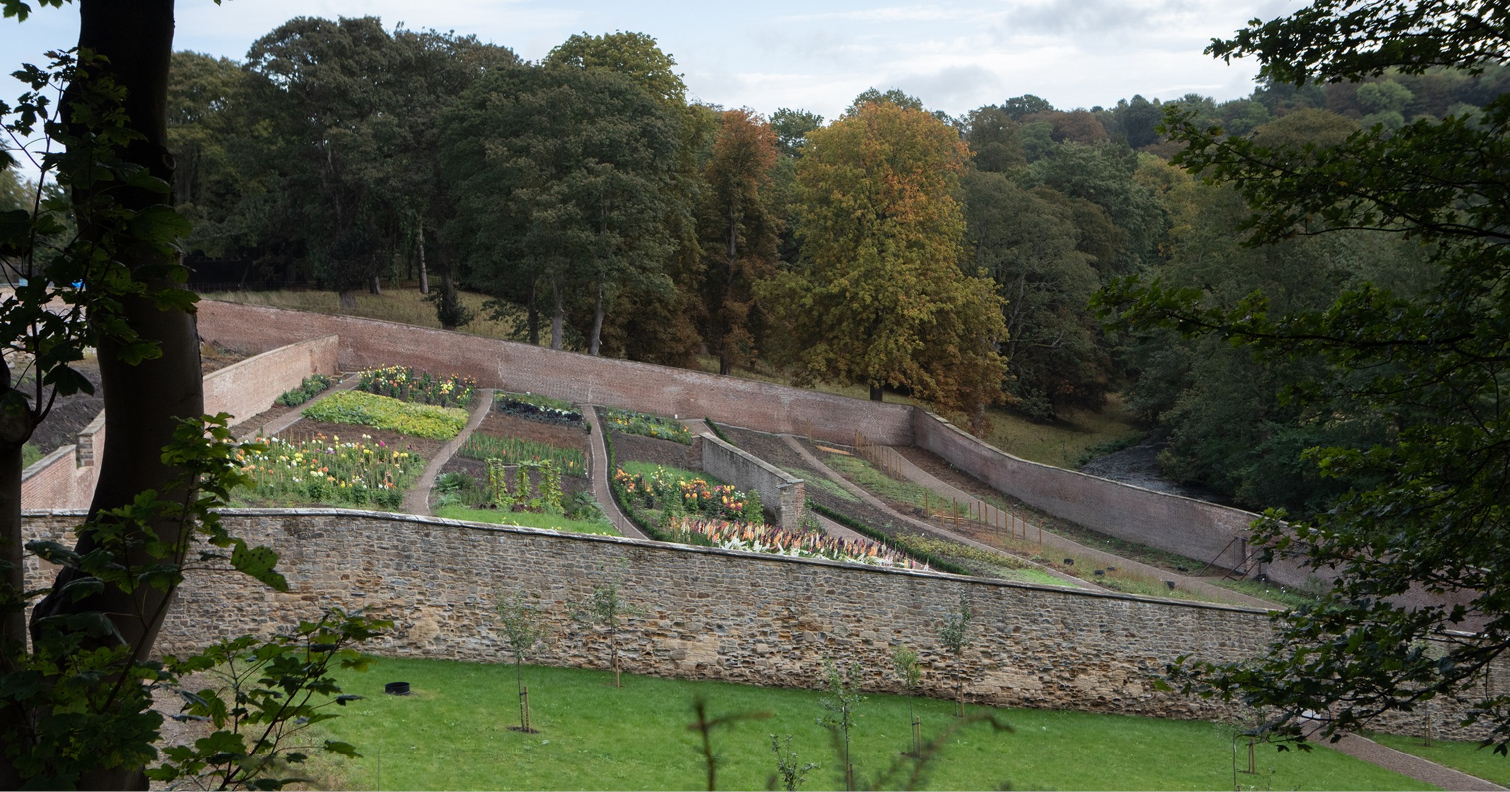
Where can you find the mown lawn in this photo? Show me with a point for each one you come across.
(453, 733)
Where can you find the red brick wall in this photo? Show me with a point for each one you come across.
(367, 343)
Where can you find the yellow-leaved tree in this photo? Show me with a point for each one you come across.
(878, 297)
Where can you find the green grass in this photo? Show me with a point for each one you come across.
(679, 474)
(452, 733)
(863, 473)
(526, 519)
(1465, 756)
(825, 484)
(1267, 591)
(1061, 443)
(382, 412)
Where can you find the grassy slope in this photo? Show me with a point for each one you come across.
(1465, 756)
(453, 734)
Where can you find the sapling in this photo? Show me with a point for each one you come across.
(522, 629)
(839, 704)
(904, 663)
(954, 634)
(705, 725)
(605, 608)
(787, 764)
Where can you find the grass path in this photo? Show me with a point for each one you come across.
(453, 733)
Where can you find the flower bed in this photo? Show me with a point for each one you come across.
(761, 538)
(665, 490)
(534, 407)
(631, 422)
(311, 387)
(513, 450)
(421, 387)
(325, 470)
(382, 412)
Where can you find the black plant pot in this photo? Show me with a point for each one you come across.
(396, 688)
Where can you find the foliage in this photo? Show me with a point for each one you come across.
(312, 386)
(420, 387)
(638, 423)
(523, 631)
(574, 522)
(264, 694)
(555, 410)
(954, 636)
(904, 664)
(877, 298)
(512, 450)
(1423, 505)
(670, 490)
(548, 496)
(789, 766)
(770, 539)
(841, 696)
(329, 471)
(382, 412)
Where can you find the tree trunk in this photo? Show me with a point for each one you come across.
(13, 581)
(597, 324)
(723, 363)
(875, 392)
(143, 402)
(424, 278)
(558, 319)
(375, 286)
(348, 298)
(532, 319)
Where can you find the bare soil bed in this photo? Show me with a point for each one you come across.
(478, 470)
(502, 425)
(638, 448)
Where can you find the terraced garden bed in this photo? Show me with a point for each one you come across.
(313, 464)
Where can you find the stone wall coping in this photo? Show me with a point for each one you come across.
(43, 463)
(716, 551)
(786, 478)
(1208, 504)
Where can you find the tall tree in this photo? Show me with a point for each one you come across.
(560, 173)
(1431, 366)
(739, 233)
(878, 298)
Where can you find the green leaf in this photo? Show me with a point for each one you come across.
(259, 563)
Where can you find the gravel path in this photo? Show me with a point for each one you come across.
(598, 464)
(1430, 772)
(417, 499)
(816, 464)
(917, 475)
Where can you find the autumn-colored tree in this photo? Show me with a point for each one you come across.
(739, 232)
(878, 297)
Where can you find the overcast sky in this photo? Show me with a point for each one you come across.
(817, 56)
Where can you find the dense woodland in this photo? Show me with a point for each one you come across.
(951, 259)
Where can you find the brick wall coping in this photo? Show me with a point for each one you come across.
(716, 551)
(42, 464)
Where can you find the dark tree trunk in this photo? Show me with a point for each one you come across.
(558, 317)
(424, 278)
(597, 324)
(348, 298)
(16, 425)
(875, 392)
(533, 317)
(143, 403)
(723, 363)
(375, 285)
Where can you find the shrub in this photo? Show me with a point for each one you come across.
(513, 450)
(410, 385)
(311, 387)
(329, 471)
(666, 491)
(382, 412)
(631, 422)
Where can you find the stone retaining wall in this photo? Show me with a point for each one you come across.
(783, 494)
(705, 613)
